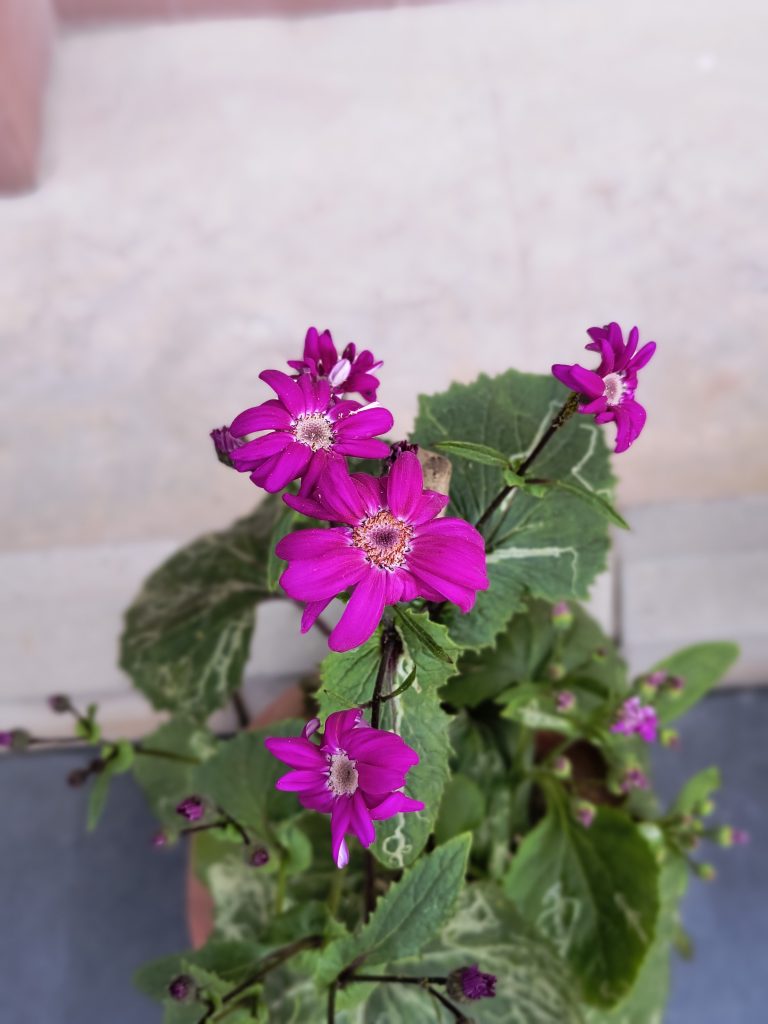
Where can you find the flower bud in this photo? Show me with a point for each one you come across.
(676, 684)
(6, 739)
(258, 857)
(18, 740)
(670, 738)
(634, 779)
(562, 616)
(584, 812)
(59, 703)
(160, 839)
(562, 768)
(565, 701)
(77, 777)
(656, 679)
(707, 872)
(706, 808)
(224, 443)
(192, 808)
(182, 989)
(740, 837)
(468, 983)
(398, 448)
(556, 671)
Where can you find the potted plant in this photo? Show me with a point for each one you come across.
(495, 850)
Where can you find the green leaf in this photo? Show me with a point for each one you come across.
(410, 913)
(701, 667)
(528, 649)
(166, 780)
(533, 985)
(188, 632)
(118, 758)
(644, 1004)
(240, 779)
(697, 790)
(286, 522)
(591, 892)
(595, 500)
(415, 714)
(230, 960)
(481, 453)
(553, 547)
(461, 809)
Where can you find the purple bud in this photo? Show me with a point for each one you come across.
(17, 739)
(556, 671)
(740, 837)
(259, 857)
(561, 767)
(159, 839)
(225, 442)
(656, 679)
(634, 779)
(707, 872)
(565, 701)
(6, 739)
(192, 808)
(182, 988)
(585, 813)
(471, 983)
(676, 683)
(398, 448)
(562, 616)
(59, 703)
(77, 777)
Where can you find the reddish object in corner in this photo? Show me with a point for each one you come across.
(26, 40)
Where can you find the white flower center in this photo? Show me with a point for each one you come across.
(613, 388)
(314, 430)
(384, 539)
(342, 777)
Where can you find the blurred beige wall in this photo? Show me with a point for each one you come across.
(459, 187)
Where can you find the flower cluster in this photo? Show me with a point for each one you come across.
(356, 774)
(635, 717)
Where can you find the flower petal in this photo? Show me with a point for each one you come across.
(430, 505)
(379, 779)
(286, 389)
(368, 448)
(363, 612)
(290, 464)
(298, 781)
(589, 382)
(337, 726)
(324, 577)
(260, 448)
(337, 491)
(314, 544)
(643, 357)
(365, 422)
(340, 820)
(405, 485)
(311, 613)
(261, 417)
(296, 752)
(395, 803)
(361, 822)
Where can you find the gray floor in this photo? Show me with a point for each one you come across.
(81, 912)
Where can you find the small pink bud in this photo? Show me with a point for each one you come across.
(565, 701)
(670, 738)
(562, 616)
(561, 768)
(585, 813)
(159, 839)
(707, 872)
(741, 837)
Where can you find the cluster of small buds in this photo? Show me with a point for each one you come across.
(635, 717)
(660, 681)
(584, 812)
(470, 983)
(398, 448)
(565, 702)
(192, 808)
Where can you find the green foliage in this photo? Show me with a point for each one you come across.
(407, 917)
(481, 453)
(165, 766)
(188, 632)
(700, 667)
(593, 893)
(117, 759)
(697, 791)
(551, 547)
(462, 808)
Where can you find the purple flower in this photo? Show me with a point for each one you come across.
(6, 739)
(192, 808)
(356, 775)
(634, 779)
(656, 679)
(389, 548)
(348, 373)
(610, 389)
(471, 983)
(636, 717)
(565, 701)
(306, 427)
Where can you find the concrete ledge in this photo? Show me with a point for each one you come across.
(26, 38)
(109, 10)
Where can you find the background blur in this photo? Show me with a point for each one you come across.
(458, 186)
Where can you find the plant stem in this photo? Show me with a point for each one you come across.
(562, 417)
(446, 1003)
(332, 1004)
(241, 710)
(400, 979)
(282, 874)
(269, 963)
(168, 755)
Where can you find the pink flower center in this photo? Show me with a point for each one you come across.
(613, 388)
(342, 777)
(314, 430)
(384, 539)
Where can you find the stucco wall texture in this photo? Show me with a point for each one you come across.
(460, 188)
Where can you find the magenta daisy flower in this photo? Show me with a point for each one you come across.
(610, 389)
(352, 371)
(356, 774)
(389, 547)
(635, 717)
(305, 428)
